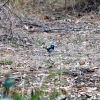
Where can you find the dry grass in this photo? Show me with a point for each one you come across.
(72, 68)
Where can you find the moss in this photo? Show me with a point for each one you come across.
(6, 62)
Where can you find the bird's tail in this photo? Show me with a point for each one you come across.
(45, 47)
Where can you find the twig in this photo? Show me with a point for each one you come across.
(13, 12)
(10, 34)
(4, 3)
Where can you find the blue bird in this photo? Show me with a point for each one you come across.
(51, 48)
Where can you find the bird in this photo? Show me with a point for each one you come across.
(50, 49)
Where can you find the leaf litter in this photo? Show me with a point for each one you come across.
(72, 68)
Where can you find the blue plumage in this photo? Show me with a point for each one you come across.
(51, 48)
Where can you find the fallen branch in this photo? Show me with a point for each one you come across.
(4, 3)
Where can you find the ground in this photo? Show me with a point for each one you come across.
(73, 68)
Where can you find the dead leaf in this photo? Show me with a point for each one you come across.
(47, 17)
(82, 63)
